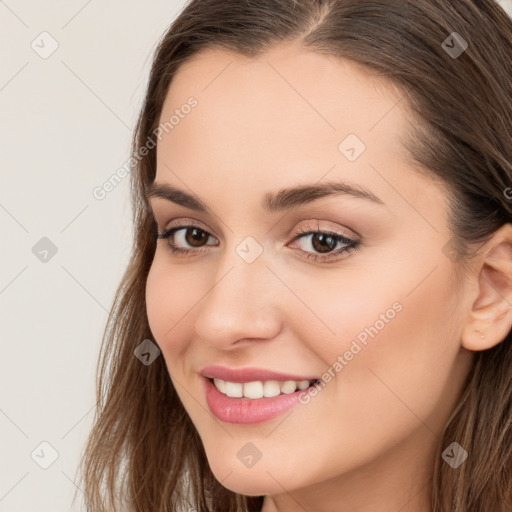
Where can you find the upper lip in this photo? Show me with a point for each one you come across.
(249, 374)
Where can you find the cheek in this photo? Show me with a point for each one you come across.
(339, 311)
(389, 342)
(170, 295)
(398, 349)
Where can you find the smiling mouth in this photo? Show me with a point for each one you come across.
(255, 390)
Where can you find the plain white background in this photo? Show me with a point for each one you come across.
(66, 119)
(65, 127)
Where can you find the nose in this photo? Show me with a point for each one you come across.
(243, 303)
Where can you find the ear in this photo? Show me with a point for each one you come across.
(490, 319)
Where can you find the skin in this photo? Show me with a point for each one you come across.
(366, 441)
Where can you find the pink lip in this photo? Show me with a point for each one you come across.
(248, 374)
(246, 410)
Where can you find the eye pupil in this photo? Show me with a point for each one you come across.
(198, 235)
(326, 242)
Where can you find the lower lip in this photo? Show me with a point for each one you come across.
(247, 410)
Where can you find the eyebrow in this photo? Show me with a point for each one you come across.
(284, 199)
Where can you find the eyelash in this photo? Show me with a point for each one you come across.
(301, 233)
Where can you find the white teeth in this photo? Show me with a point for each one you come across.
(303, 384)
(233, 389)
(253, 389)
(259, 389)
(220, 384)
(271, 388)
(288, 386)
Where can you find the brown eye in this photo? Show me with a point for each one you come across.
(323, 242)
(325, 245)
(195, 236)
(191, 236)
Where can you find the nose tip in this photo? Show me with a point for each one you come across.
(241, 305)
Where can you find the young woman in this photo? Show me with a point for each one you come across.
(317, 312)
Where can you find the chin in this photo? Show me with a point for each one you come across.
(248, 481)
(248, 486)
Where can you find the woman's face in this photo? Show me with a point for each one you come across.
(378, 324)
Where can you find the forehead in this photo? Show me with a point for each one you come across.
(287, 116)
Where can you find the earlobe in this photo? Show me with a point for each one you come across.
(490, 319)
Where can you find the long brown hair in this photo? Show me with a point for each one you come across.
(144, 453)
